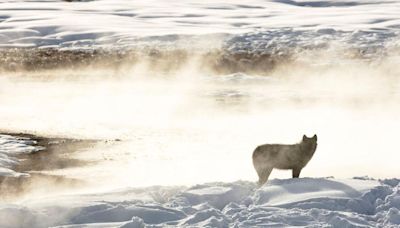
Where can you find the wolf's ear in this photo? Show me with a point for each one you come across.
(315, 137)
(304, 137)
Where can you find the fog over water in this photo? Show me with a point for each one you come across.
(187, 126)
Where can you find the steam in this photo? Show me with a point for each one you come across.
(190, 126)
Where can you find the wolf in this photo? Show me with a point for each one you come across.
(294, 157)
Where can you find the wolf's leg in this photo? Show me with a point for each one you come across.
(263, 175)
(296, 173)
(260, 174)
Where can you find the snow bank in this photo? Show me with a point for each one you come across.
(10, 147)
(120, 23)
(311, 202)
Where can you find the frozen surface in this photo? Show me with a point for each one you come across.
(121, 23)
(306, 202)
(10, 147)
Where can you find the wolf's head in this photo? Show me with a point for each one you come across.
(309, 144)
(312, 139)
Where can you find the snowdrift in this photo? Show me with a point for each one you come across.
(10, 148)
(306, 202)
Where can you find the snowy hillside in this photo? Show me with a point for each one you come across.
(121, 23)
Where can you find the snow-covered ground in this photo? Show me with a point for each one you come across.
(255, 23)
(304, 202)
(10, 147)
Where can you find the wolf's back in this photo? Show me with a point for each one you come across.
(267, 151)
(276, 155)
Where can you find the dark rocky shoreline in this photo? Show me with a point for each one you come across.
(215, 61)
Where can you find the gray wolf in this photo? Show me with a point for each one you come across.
(279, 156)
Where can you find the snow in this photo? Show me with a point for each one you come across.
(256, 23)
(307, 202)
(10, 147)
